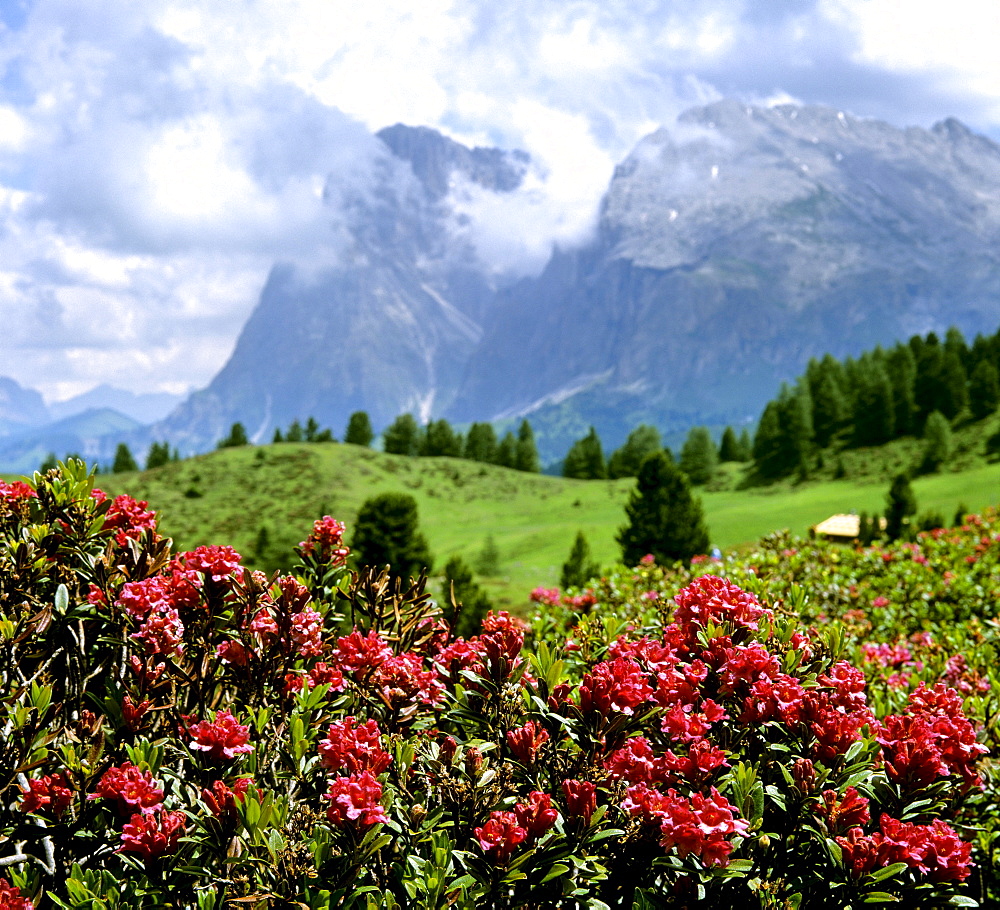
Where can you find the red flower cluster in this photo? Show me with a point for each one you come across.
(51, 791)
(222, 739)
(500, 836)
(616, 685)
(217, 563)
(355, 799)
(126, 516)
(221, 799)
(357, 653)
(10, 896)
(710, 598)
(153, 835)
(848, 811)
(548, 596)
(162, 632)
(934, 850)
(351, 748)
(700, 825)
(581, 799)
(537, 815)
(524, 742)
(11, 492)
(326, 542)
(402, 681)
(133, 790)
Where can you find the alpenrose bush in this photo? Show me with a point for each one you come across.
(178, 731)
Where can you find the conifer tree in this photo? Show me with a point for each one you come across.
(311, 429)
(440, 439)
(278, 437)
(124, 461)
(769, 450)
(900, 505)
(488, 558)
(481, 443)
(294, 433)
(387, 532)
(472, 601)
(402, 436)
(746, 446)
(585, 459)
(984, 390)
(642, 441)
(874, 411)
(237, 437)
(829, 405)
(526, 453)
(729, 446)
(954, 388)
(902, 369)
(507, 451)
(158, 455)
(937, 441)
(664, 518)
(579, 568)
(699, 457)
(928, 382)
(359, 430)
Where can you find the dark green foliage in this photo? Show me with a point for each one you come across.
(867, 529)
(507, 451)
(579, 568)
(237, 437)
(783, 443)
(745, 445)
(387, 533)
(961, 510)
(830, 405)
(729, 446)
(440, 439)
(663, 517)
(585, 459)
(928, 383)
(900, 504)
(124, 461)
(902, 369)
(874, 411)
(937, 442)
(402, 436)
(993, 444)
(930, 521)
(984, 390)
(278, 437)
(359, 430)
(295, 433)
(481, 443)
(49, 463)
(642, 441)
(954, 391)
(473, 602)
(159, 455)
(311, 430)
(488, 558)
(526, 453)
(699, 457)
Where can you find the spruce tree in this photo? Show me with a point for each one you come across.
(159, 455)
(311, 430)
(902, 369)
(472, 601)
(579, 568)
(387, 532)
(984, 390)
(124, 461)
(746, 446)
(829, 405)
(729, 446)
(699, 457)
(585, 459)
(481, 443)
(488, 558)
(237, 437)
(954, 388)
(900, 505)
(278, 437)
(874, 411)
(402, 436)
(937, 442)
(507, 451)
(294, 433)
(359, 430)
(769, 450)
(526, 453)
(439, 439)
(642, 441)
(663, 517)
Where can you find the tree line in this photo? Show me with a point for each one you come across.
(922, 387)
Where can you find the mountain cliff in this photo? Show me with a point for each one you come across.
(732, 246)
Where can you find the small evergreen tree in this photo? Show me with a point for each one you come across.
(729, 446)
(663, 517)
(311, 430)
(124, 461)
(488, 559)
(402, 436)
(277, 435)
(579, 568)
(237, 437)
(49, 463)
(507, 451)
(526, 453)
(440, 439)
(481, 443)
(294, 433)
(746, 446)
(900, 505)
(642, 441)
(387, 532)
(159, 455)
(585, 459)
(699, 457)
(937, 442)
(984, 390)
(472, 601)
(359, 430)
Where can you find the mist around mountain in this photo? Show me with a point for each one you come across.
(731, 247)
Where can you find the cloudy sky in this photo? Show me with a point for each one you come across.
(158, 156)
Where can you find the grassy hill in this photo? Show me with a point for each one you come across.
(262, 500)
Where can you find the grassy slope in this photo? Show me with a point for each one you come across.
(532, 518)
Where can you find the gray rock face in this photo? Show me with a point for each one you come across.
(731, 249)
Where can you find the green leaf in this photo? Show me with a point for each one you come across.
(887, 872)
(881, 897)
(557, 870)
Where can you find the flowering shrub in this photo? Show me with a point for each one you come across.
(180, 731)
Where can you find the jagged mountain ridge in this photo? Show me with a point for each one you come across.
(731, 247)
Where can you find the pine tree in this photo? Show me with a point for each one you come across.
(278, 437)
(507, 451)
(902, 369)
(402, 436)
(928, 382)
(159, 455)
(663, 517)
(585, 459)
(954, 387)
(237, 437)
(769, 449)
(729, 446)
(294, 433)
(579, 568)
(984, 390)
(937, 442)
(829, 404)
(900, 505)
(124, 461)
(699, 457)
(440, 439)
(746, 446)
(481, 443)
(642, 441)
(488, 558)
(526, 453)
(472, 601)
(359, 430)
(874, 411)
(312, 429)
(387, 532)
